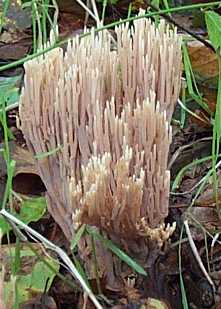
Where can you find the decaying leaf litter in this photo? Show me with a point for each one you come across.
(192, 138)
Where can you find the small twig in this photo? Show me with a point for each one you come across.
(94, 15)
(56, 249)
(85, 301)
(197, 256)
(94, 6)
(84, 6)
(186, 192)
(17, 196)
(191, 112)
(215, 238)
(198, 224)
(182, 148)
(86, 14)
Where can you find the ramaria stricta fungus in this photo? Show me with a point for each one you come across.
(103, 113)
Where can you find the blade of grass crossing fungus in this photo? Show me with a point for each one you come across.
(43, 155)
(78, 236)
(123, 256)
(109, 26)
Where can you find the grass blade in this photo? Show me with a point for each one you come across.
(78, 236)
(123, 256)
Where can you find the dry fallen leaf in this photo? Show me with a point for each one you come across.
(206, 70)
(204, 61)
(153, 303)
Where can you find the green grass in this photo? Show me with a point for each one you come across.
(112, 25)
(6, 5)
(41, 19)
(191, 81)
(213, 22)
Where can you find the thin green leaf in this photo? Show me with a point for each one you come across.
(123, 256)
(31, 211)
(183, 293)
(42, 155)
(191, 81)
(78, 236)
(213, 22)
(10, 90)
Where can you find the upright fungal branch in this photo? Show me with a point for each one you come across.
(125, 178)
(150, 59)
(102, 114)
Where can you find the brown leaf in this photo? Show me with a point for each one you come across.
(15, 50)
(203, 60)
(207, 216)
(70, 25)
(14, 41)
(25, 162)
(206, 70)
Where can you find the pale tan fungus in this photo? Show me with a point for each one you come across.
(106, 112)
